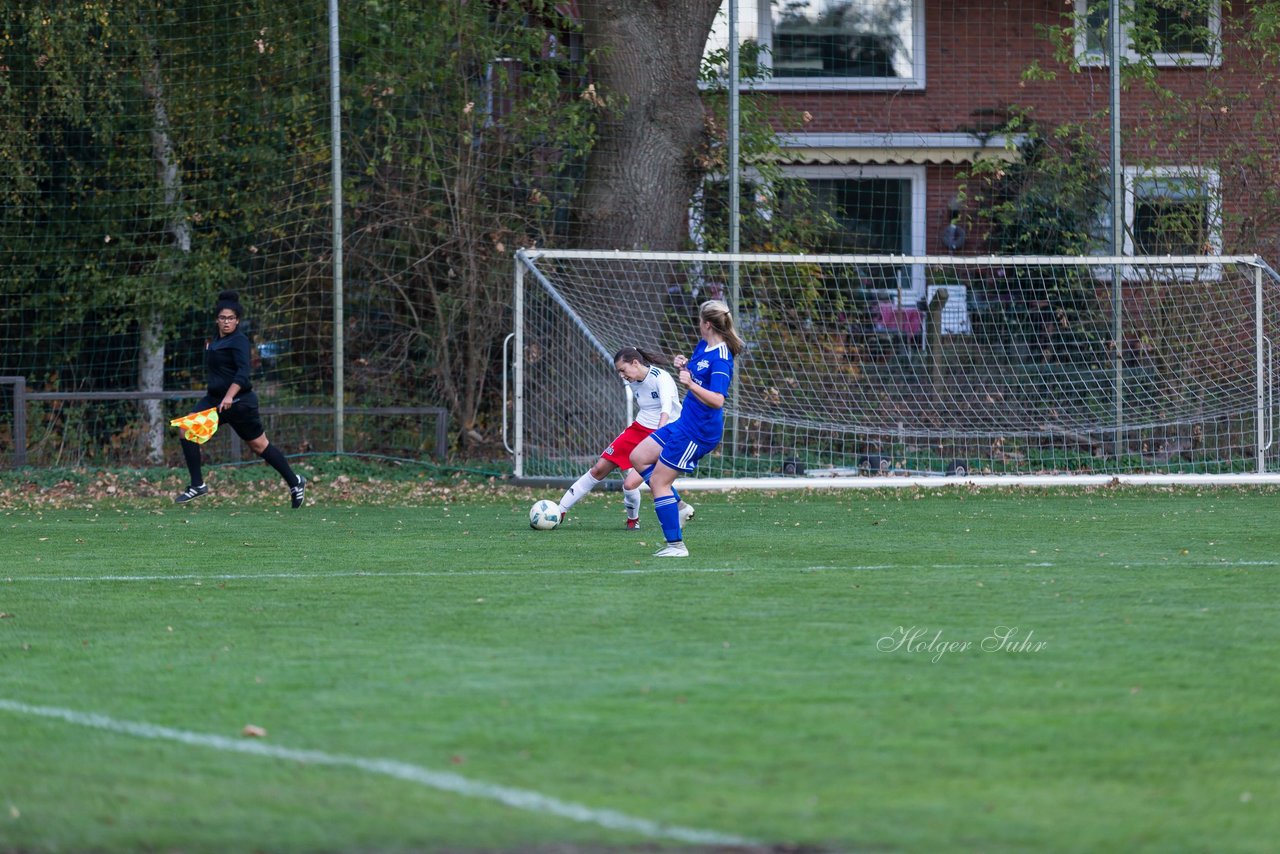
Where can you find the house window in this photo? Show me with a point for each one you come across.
(1173, 212)
(851, 44)
(872, 213)
(877, 210)
(1169, 32)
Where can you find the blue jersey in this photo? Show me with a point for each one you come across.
(711, 368)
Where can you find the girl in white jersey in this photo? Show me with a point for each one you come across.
(657, 403)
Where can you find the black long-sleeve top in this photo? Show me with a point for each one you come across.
(226, 361)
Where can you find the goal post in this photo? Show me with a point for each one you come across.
(868, 370)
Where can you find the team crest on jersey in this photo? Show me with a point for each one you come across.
(703, 364)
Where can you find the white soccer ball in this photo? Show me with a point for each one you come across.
(545, 515)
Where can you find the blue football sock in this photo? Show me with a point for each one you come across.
(668, 509)
(645, 474)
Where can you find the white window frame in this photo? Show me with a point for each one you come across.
(1211, 184)
(917, 175)
(764, 34)
(1099, 58)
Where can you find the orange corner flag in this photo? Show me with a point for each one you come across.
(198, 427)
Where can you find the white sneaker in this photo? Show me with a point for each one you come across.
(677, 549)
(686, 513)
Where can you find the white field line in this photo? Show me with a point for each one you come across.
(444, 781)
(816, 482)
(356, 573)
(665, 570)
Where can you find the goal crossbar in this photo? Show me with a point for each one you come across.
(532, 256)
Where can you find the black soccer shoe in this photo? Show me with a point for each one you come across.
(191, 493)
(298, 492)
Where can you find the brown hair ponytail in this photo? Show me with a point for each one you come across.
(635, 354)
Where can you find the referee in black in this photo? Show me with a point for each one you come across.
(226, 361)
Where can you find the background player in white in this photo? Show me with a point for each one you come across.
(657, 403)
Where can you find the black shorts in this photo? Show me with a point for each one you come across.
(242, 415)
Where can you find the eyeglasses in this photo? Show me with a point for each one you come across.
(227, 318)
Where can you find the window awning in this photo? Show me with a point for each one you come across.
(897, 148)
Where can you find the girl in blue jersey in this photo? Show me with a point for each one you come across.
(677, 446)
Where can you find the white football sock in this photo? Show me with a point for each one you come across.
(581, 487)
(631, 500)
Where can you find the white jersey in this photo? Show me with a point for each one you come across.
(654, 395)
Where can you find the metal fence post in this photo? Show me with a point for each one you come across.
(335, 130)
(19, 418)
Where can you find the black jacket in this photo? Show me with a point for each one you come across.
(226, 361)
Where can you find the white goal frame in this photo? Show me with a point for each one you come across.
(532, 284)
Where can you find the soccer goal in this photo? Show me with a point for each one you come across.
(878, 370)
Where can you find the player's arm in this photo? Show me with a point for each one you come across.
(241, 379)
(668, 397)
(243, 364)
(709, 396)
(717, 387)
(229, 398)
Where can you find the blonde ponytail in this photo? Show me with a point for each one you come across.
(716, 312)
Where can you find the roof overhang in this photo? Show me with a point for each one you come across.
(897, 148)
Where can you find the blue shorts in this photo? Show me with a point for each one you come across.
(680, 451)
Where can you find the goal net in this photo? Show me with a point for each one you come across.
(889, 369)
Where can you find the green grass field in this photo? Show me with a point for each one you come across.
(917, 670)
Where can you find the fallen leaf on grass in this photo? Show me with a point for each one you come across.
(252, 731)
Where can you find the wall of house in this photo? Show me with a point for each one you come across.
(977, 53)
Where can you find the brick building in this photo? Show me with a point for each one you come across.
(903, 96)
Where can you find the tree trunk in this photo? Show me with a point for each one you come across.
(151, 344)
(151, 378)
(645, 167)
